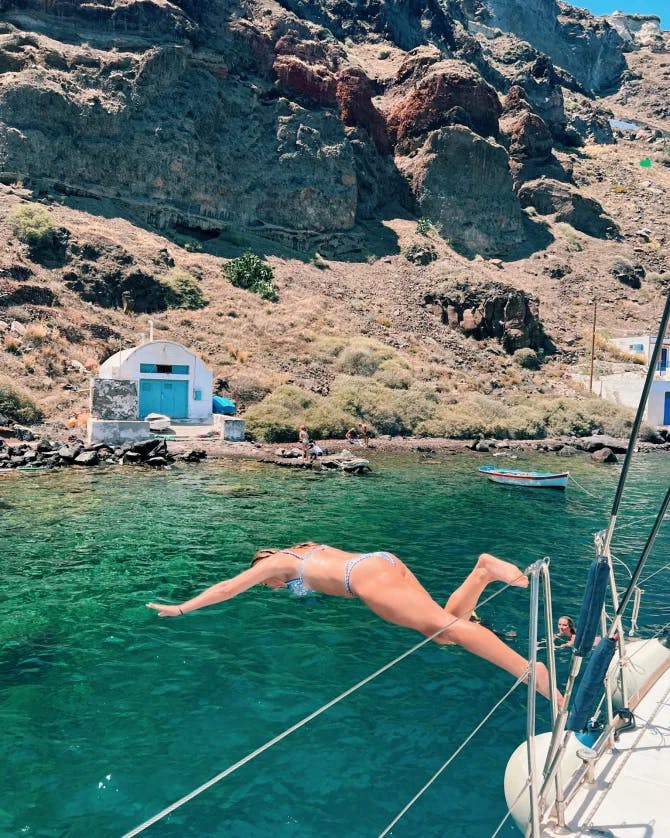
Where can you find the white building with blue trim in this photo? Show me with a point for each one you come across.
(170, 379)
(658, 406)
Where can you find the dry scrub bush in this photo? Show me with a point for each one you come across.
(527, 359)
(31, 223)
(476, 415)
(352, 399)
(278, 416)
(576, 417)
(616, 353)
(394, 412)
(326, 349)
(395, 374)
(324, 421)
(36, 333)
(16, 405)
(182, 290)
(363, 356)
(248, 390)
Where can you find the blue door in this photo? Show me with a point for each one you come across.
(666, 410)
(663, 363)
(168, 397)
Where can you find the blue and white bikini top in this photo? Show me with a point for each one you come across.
(298, 586)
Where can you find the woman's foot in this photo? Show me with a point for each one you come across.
(500, 571)
(542, 683)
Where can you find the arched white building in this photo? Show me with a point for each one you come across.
(170, 379)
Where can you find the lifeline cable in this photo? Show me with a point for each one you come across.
(185, 799)
(444, 765)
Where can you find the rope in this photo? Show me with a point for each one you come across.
(584, 489)
(636, 610)
(185, 799)
(406, 808)
(623, 564)
(651, 575)
(509, 810)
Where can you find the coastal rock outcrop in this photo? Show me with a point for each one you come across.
(584, 214)
(462, 182)
(211, 116)
(587, 47)
(492, 310)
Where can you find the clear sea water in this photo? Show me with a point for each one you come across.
(108, 713)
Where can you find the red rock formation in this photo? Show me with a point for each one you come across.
(354, 97)
(314, 82)
(447, 85)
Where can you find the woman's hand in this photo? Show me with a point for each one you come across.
(166, 610)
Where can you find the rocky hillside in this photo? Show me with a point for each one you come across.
(437, 186)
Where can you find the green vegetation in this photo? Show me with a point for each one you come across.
(187, 242)
(527, 359)
(182, 290)
(250, 272)
(32, 224)
(424, 226)
(17, 406)
(363, 356)
(476, 415)
(395, 374)
(278, 417)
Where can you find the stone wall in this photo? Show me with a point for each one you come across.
(113, 398)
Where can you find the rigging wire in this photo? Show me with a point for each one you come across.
(509, 809)
(453, 756)
(231, 768)
(651, 575)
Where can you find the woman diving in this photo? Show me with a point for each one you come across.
(387, 587)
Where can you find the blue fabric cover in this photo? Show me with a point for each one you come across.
(591, 685)
(225, 406)
(588, 622)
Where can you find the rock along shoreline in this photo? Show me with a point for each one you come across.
(23, 449)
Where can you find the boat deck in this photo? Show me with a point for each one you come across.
(630, 797)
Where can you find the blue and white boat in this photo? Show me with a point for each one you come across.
(535, 479)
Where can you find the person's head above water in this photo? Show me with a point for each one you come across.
(566, 626)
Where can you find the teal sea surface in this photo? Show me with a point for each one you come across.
(109, 713)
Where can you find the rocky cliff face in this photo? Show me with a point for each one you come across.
(266, 116)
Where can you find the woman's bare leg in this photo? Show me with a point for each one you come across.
(413, 607)
(488, 569)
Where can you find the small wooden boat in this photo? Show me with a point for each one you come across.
(535, 479)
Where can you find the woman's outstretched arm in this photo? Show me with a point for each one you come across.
(227, 589)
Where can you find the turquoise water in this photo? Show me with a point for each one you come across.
(109, 713)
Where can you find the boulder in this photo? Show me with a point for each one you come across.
(446, 85)
(86, 458)
(549, 197)
(597, 442)
(492, 310)
(476, 212)
(604, 455)
(529, 136)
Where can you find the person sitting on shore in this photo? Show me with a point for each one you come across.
(566, 632)
(389, 589)
(352, 437)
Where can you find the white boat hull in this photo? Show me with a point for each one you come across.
(535, 480)
(628, 798)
